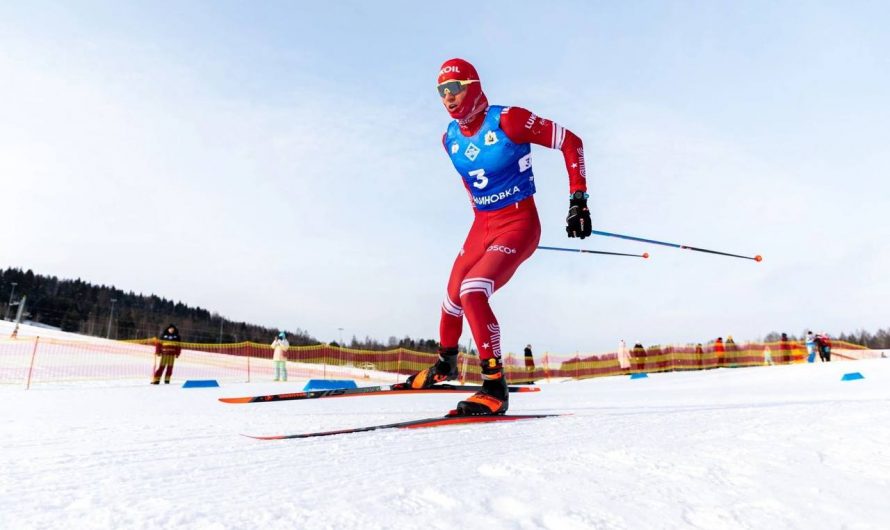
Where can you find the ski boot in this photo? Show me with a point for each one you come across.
(493, 399)
(445, 369)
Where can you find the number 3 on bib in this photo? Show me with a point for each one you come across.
(481, 179)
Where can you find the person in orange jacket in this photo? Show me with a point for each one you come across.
(719, 350)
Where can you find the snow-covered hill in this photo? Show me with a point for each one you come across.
(772, 447)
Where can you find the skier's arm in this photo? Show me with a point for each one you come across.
(522, 127)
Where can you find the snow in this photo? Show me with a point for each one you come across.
(772, 447)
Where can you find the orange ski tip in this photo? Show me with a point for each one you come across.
(263, 437)
(758, 258)
(236, 400)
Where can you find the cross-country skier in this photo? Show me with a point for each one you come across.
(489, 146)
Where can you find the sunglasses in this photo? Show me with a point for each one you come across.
(454, 87)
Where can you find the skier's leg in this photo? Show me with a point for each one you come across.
(451, 315)
(169, 372)
(503, 256)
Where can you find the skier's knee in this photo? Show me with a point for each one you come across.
(475, 288)
(451, 308)
(470, 299)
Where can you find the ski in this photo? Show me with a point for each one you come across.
(412, 424)
(388, 390)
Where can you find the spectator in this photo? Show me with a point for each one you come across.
(719, 350)
(529, 363)
(168, 348)
(279, 356)
(767, 356)
(638, 356)
(700, 355)
(811, 347)
(785, 347)
(623, 355)
(731, 350)
(824, 344)
(730, 344)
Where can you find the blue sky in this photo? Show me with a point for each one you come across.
(280, 162)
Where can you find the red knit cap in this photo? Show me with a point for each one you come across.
(475, 101)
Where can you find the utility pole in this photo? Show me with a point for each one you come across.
(21, 311)
(8, 304)
(110, 316)
(340, 349)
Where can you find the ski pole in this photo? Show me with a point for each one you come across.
(643, 255)
(757, 258)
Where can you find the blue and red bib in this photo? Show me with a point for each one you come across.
(497, 172)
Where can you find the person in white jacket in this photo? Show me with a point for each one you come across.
(623, 355)
(279, 356)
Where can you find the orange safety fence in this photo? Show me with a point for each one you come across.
(34, 360)
(667, 359)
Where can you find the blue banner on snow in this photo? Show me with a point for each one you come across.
(329, 384)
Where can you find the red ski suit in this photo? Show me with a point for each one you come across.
(500, 240)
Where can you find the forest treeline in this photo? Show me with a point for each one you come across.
(81, 307)
(879, 340)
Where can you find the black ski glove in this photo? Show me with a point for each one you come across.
(578, 220)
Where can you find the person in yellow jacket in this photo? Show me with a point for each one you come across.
(168, 348)
(279, 356)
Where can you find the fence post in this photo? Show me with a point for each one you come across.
(399, 365)
(248, 367)
(31, 366)
(154, 363)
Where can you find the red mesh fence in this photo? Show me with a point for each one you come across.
(32, 360)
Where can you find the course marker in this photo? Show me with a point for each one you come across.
(329, 384)
(200, 383)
